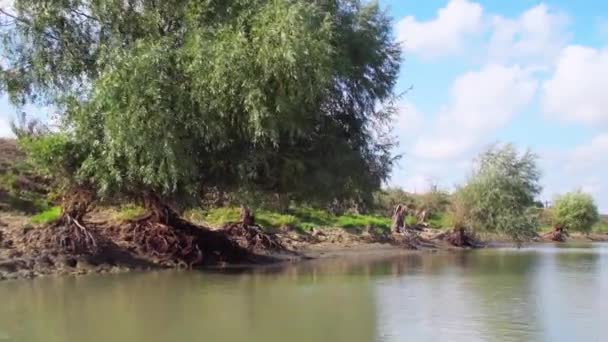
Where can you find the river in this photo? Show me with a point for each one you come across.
(542, 293)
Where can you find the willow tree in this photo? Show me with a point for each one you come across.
(173, 97)
(500, 194)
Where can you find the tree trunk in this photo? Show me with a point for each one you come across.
(398, 219)
(247, 217)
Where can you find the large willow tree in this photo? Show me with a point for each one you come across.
(173, 97)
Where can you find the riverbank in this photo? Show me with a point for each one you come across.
(22, 257)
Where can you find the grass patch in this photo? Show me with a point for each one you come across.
(362, 221)
(129, 212)
(302, 219)
(441, 221)
(601, 227)
(47, 216)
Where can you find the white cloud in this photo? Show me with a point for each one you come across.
(6, 4)
(481, 102)
(443, 35)
(576, 92)
(582, 167)
(536, 36)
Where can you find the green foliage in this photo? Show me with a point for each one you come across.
(411, 220)
(386, 200)
(48, 216)
(54, 155)
(174, 97)
(500, 194)
(575, 211)
(601, 226)
(301, 218)
(434, 202)
(441, 220)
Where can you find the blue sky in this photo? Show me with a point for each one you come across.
(528, 72)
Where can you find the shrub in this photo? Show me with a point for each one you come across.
(575, 211)
(500, 194)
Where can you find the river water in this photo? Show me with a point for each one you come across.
(534, 294)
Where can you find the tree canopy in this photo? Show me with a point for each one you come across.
(177, 96)
(575, 211)
(500, 194)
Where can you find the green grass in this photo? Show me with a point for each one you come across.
(362, 221)
(302, 219)
(441, 221)
(48, 216)
(601, 227)
(129, 212)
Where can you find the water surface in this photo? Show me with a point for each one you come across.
(535, 294)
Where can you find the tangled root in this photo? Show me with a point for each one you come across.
(411, 240)
(168, 245)
(558, 234)
(253, 237)
(68, 235)
(461, 237)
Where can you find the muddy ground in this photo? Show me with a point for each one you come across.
(21, 258)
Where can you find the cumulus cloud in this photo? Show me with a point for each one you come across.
(481, 102)
(576, 92)
(443, 35)
(582, 167)
(536, 36)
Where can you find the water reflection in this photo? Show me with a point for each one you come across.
(540, 294)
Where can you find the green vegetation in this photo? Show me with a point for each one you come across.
(48, 216)
(296, 114)
(575, 211)
(283, 106)
(303, 219)
(500, 194)
(21, 189)
(129, 212)
(601, 226)
(441, 220)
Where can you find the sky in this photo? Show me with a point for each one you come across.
(481, 72)
(527, 72)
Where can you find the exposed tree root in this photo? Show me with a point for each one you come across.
(412, 240)
(69, 234)
(558, 234)
(170, 241)
(167, 245)
(461, 237)
(251, 236)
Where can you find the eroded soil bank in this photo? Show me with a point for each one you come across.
(26, 251)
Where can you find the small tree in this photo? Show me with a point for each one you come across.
(500, 193)
(575, 211)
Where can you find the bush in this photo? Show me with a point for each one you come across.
(500, 194)
(386, 200)
(575, 211)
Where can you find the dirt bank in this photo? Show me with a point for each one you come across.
(25, 252)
